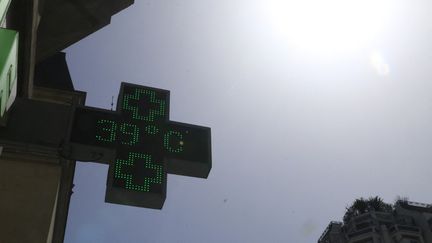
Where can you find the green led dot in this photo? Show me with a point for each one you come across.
(108, 127)
(132, 130)
(176, 148)
(152, 113)
(151, 129)
(148, 164)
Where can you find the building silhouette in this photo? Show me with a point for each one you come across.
(407, 222)
(36, 99)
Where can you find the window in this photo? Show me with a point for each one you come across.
(1, 96)
(9, 79)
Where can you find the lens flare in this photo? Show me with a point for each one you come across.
(379, 64)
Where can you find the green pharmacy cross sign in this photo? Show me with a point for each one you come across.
(140, 144)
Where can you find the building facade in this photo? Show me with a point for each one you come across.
(36, 103)
(409, 222)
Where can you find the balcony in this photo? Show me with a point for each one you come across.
(404, 228)
(324, 235)
(368, 230)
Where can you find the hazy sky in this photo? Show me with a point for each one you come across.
(310, 105)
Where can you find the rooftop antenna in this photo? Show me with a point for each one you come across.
(112, 102)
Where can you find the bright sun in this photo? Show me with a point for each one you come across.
(330, 25)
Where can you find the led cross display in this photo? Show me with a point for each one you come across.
(141, 145)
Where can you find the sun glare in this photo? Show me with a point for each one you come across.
(328, 26)
(379, 64)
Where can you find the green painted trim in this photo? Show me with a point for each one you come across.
(8, 68)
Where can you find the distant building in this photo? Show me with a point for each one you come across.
(409, 222)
